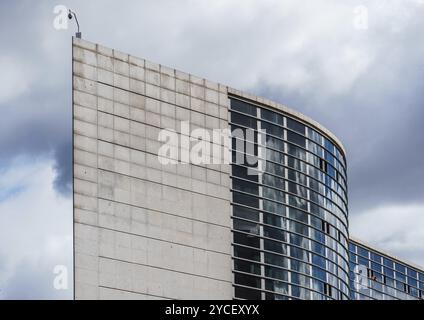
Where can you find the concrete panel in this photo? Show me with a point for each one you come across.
(144, 230)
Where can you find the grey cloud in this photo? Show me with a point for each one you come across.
(35, 281)
(38, 120)
(63, 167)
(364, 86)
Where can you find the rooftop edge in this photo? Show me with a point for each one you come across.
(260, 100)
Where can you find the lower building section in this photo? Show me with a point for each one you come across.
(375, 275)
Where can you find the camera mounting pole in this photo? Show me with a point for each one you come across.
(73, 14)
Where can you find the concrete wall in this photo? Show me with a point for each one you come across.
(143, 230)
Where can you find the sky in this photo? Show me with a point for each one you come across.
(357, 67)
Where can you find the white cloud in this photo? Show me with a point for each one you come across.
(36, 229)
(396, 229)
(16, 77)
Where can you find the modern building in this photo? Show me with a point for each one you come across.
(188, 224)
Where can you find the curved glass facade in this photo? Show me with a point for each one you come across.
(290, 219)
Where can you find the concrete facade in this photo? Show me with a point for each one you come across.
(143, 230)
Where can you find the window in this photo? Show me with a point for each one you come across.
(274, 143)
(400, 268)
(275, 297)
(298, 202)
(275, 233)
(318, 285)
(276, 286)
(275, 207)
(246, 253)
(400, 276)
(315, 136)
(298, 253)
(328, 290)
(300, 293)
(296, 138)
(248, 294)
(245, 280)
(318, 261)
(243, 120)
(246, 266)
(412, 282)
(329, 145)
(241, 172)
(245, 226)
(388, 262)
(412, 273)
(296, 164)
(272, 116)
(247, 160)
(299, 241)
(245, 213)
(316, 222)
(273, 194)
(363, 262)
(274, 220)
(273, 181)
(298, 215)
(295, 126)
(272, 129)
(299, 228)
(276, 273)
(245, 199)
(319, 274)
(275, 246)
(323, 165)
(299, 266)
(389, 272)
(375, 266)
(298, 190)
(297, 176)
(318, 235)
(243, 107)
(276, 260)
(274, 169)
(363, 252)
(325, 227)
(244, 186)
(299, 279)
(246, 239)
(329, 157)
(331, 171)
(274, 156)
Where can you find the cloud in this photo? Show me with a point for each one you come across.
(306, 55)
(35, 86)
(38, 223)
(399, 230)
(365, 86)
(15, 79)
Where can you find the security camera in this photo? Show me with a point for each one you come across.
(71, 14)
